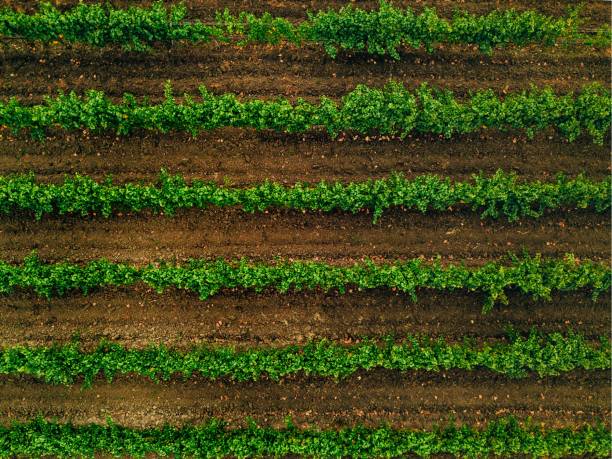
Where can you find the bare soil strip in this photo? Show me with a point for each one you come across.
(138, 317)
(245, 157)
(32, 72)
(401, 400)
(232, 233)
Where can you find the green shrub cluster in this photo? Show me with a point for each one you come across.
(546, 355)
(501, 437)
(381, 31)
(393, 110)
(530, 275)
(501, 195)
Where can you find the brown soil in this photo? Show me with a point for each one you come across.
(245, 157)
(33, 72)
(137, 317)
(231, 233)
(410, 400)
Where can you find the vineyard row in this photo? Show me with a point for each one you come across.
(501, 195)
(383, 31)
(393, 110)
(503, 436)
(530, 275)
(546, 355)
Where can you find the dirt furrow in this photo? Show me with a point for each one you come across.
(244, 156)
(233, 233)
(265, 71)
(138, 316)
(401, 400)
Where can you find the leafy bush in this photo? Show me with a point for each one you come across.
(503, 436)
(546, 355)
(530, 275)
(393, 110)
(381, 31)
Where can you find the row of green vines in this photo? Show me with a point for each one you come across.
(382, 31)
(546, 355)
(501, 195)
(530, 275)
(392, 110)
(501, 437)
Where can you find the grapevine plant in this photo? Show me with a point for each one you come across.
(393, 110)
(545, 355)
(501, 195)
(530, 275)
(500, 437)
(382, 32)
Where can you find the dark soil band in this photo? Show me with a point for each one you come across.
(245, 157)
(136, 317)
(402, 400)
(341, 237)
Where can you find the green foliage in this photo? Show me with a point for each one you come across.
(134, 28)
(501, 195)
(546, 355)
(602, 37)
(381, 31)
(386, 30)
(393, 110)
(530, 275)
(503, 436)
